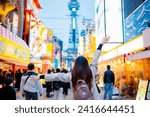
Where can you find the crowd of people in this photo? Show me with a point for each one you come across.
(52, 86)
(10, 83)
(31, 87)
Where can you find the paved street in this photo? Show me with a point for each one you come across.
(53, 96)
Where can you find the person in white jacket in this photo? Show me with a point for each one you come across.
(81, 70)
(30, 85)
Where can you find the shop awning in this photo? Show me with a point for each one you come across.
(11, 62)
(139, 55)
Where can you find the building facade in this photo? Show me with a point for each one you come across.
(129, 60)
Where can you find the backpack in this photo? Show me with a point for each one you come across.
(82, 91)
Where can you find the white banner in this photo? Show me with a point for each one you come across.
(72, 108)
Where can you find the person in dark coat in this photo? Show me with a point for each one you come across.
(1, 77)
(18, 79)
(109, 79)
(57, 84)
(7, 92)
(66, 85)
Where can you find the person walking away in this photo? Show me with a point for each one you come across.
(109, 79)
(30, 84)
(66, 85)
(49, 86)
(7, 92)
(81, 71)
(18, 79)
(58, 88)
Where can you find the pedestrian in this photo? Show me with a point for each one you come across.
(7, 92)
(1, 78)
(31, 86)
(81, 71)
(18, 76)
(97, 82)
(57, 87)
(49, 86)
(123, 86)
(109, 80)
(66, 85)
(56, 84)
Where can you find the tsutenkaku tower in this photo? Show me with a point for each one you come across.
(72, 50)
(73, 6)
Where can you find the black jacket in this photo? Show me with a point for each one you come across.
(109, 77)
(7, 93)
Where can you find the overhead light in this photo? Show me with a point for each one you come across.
(128, 62)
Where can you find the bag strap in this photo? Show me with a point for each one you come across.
(81, 81)
(27, 78)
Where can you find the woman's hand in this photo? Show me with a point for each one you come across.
(105, 39)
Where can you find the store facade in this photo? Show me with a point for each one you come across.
(130, 61)
(14, 52)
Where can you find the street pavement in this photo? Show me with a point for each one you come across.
(59, 96)
(56, 95)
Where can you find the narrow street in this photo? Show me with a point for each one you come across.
(60, 96)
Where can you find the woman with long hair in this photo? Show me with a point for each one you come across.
(81, 70)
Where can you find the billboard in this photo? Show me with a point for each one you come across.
(108, 20)
(130, 6)
(137, 21)
(13, 51)
(38, 40)
(99, 20)
(114, 20)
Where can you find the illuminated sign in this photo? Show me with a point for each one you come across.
(32, 6)
(38, 39)
(141, 93)
(109, 55)
(131, 46)
(50, 50)
(13, 51)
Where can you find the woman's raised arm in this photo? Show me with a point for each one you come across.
(96, 56)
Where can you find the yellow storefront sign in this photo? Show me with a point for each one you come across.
(49, 50)
(13, 51)
(50, 33)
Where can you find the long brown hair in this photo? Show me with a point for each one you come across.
(81, 70)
